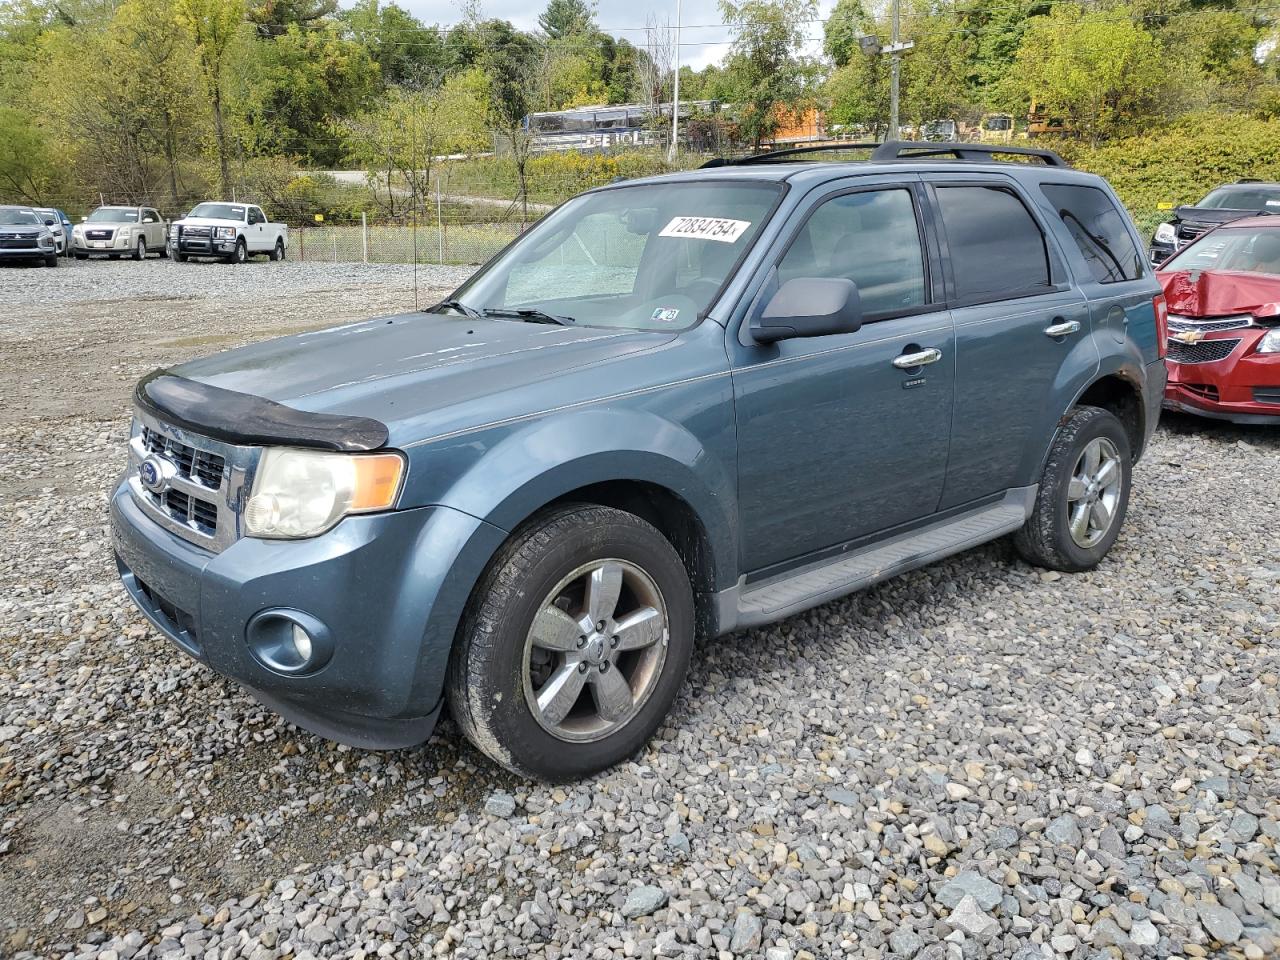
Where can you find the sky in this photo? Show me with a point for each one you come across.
(699, 45)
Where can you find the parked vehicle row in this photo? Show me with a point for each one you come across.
(231, 232)
(680, 405)
(1233, 201)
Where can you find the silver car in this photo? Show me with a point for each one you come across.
(121, 232)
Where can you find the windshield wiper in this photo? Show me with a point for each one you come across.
(529, 315)
(454, 304)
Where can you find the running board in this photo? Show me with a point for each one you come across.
(818, 583)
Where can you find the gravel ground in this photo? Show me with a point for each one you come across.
(976, 759)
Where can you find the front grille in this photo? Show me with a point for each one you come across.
(1206, 391)
(1206, 351)
(201, 514)
(1179, 324)
(100, 234)
(199, 465)
(179, 621)
(1189, 231)
(195, 231)
(1266, 395)
(17, 243)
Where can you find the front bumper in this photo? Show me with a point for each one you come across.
(389, 588)
(204, 246)
(1243, 387)
(27, 253)
(1160, 252)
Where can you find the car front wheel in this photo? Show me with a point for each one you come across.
(575, 644)
(140, 251)
(1083, 495)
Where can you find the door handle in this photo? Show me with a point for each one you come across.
(909, 361)
(1062, 329)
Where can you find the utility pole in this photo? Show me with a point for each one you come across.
(895, 61)
(675, 95)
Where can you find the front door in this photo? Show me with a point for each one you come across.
(1017, 320)
(837, 437)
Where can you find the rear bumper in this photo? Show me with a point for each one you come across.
(385, 592)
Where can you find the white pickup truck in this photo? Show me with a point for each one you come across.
(232, 232)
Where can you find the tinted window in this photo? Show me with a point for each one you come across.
(1249, 250)
(995, 246)
(1098, 229)
(871, 238)
(1243, 198)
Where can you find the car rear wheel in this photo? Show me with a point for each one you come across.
(575, 644)
(1083, 496)
(277, 252)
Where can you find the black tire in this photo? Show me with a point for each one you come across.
(486, 679)
(277, 252)
(51, 261)
(81, 256)
(1046, 539)
(167, 250)
(140, 250)
(179, 257)
(242, 252)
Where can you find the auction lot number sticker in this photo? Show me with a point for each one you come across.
(705, 228)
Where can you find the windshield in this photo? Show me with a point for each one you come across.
(218, 211)
(1250, 250)
(1243, 198)
(114, 215)
(645, 257)
(24, 217)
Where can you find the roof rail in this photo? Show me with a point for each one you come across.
(919, 150)
(899, 150)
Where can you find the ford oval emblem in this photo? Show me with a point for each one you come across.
(154, 472)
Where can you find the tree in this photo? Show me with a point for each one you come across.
(26, 159)
(405, 50)
(1097, 68)
(274, 17)
(511, 61)
(848, 22)
(215, 27)
(295, 87)
(768, 75)
(567, 18)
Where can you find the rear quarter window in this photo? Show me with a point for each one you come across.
(1099, 231)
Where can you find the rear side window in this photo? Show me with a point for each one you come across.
(996, 247)
(1098, 229)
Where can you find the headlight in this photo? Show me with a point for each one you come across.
(1270, 342)
(45, 239)
(77, 231)
(302, 493)
(225, 233)
(1166, 234)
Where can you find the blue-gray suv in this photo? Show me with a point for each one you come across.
(678, 406)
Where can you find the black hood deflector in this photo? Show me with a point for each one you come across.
(246, 420)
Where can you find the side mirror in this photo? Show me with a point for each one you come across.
(50, 223)
(809, 307)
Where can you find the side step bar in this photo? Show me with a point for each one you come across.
(798, 590)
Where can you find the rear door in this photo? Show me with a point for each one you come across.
(836, 439)
(1017, 319)
(153, 228)
(1107, 260)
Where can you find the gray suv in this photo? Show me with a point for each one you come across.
(678, 406)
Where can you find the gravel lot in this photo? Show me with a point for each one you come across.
(977, 759)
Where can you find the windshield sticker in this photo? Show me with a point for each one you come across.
(705, 228)
(1273, 203)
(665, 315)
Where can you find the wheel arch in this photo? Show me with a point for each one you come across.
(1119, 391)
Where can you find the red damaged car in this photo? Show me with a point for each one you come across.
(1223, 295)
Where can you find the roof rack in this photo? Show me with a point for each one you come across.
(903, 150)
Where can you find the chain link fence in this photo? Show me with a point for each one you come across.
(360, 241)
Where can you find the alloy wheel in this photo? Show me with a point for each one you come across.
(1093, 492)
(595, 651)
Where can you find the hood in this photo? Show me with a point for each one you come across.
(397, 368)
(1212, 215)
(22, 230)
(108, 224)
(1220, 293)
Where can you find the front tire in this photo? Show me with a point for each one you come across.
(140, 251)
(574, 645)
(1083, 496)
(242, 253)
(51, 261)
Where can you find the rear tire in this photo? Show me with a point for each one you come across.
(525, 641)
(277, 252)
(1083, 496)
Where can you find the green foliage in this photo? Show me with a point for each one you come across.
(273, 18)
(26, 158)
(848, 22)
(1098, 68)
(406, 51)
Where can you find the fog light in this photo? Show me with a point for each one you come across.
(289, 641)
